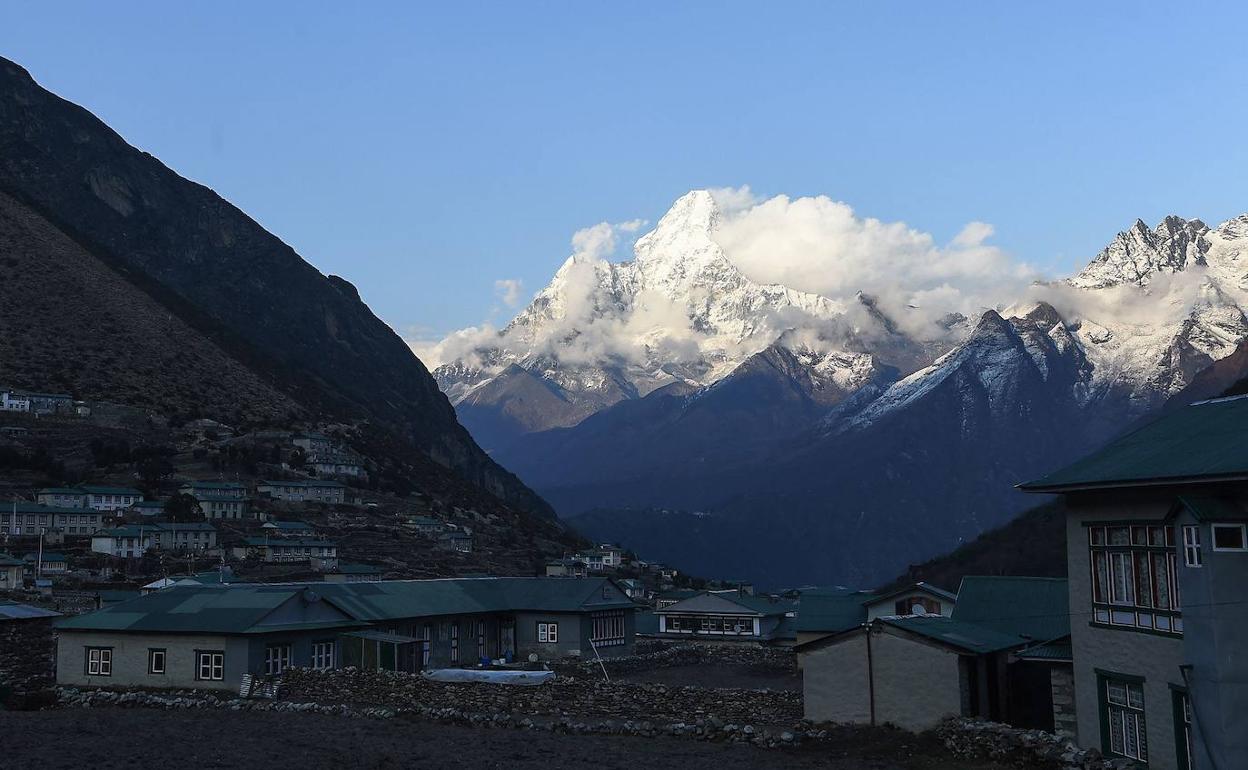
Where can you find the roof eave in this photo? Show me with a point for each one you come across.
(1129, 483)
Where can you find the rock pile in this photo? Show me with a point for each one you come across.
(976, 739)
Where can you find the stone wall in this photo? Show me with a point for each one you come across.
(652, 654)
(1062, 682)
(582, 698)
(974, 739)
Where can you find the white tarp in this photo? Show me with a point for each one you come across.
(493, 676)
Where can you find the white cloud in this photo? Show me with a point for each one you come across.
(508, 290)
(822, 246)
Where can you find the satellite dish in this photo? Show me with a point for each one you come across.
(917, 609)
(532, 657)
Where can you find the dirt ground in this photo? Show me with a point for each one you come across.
(109, 739)
(712, 675)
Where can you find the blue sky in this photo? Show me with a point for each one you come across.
(426, 151)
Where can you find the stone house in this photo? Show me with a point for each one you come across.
(915, 670)
(12, 573)
(1157, 550)
(29, 519)
(289, 549)
(218, 499)
(209, 636)
(304, 490)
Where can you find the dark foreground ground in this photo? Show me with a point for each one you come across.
(189, 740)
(712, 675)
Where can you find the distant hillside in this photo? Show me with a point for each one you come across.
(216, 269)
(1034, 544)
(222, 296)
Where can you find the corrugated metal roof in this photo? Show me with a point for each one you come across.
(1212, 508)
(15, 611)
(1200, 442)
(1031, 607)
(831, 612)
(970, 637)
(239, 608)
(1056, 650)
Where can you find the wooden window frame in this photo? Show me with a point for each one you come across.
(1193, 553)
(152, 653)
(213, 666)
(1243, 537)
(103, 661)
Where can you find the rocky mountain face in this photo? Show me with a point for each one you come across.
(799, 439)
(219, 310)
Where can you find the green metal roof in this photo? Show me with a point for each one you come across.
(8, 561)
(287, 541)
(215, 485)
(61, 491)
(1212, 508)
(98, 490)
(970, 637)
(34, 557)
(1058, 650)
(239, 608)
(21, 507)
(1034, 608)
(831, 612)
(1202, 442)
(303, 483)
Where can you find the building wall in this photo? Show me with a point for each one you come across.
(130, 659)
(835, 687)
(1214, 643)
(1134, 653)
(916, 684)
(888, 608)
(1062, 685)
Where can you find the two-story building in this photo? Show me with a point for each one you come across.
(28, 519)
(304, 490)
(209, 636)
(289, 549)
(289, 529)
(62, 497)
(425, 525)
(134, 540)
(101, 498)
(12, 401)
(726, 617)
(1157, 550)
(218, 499)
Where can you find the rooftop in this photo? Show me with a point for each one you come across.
(1199, 443)
(303, 483)
(971, 637)
(1031, 607)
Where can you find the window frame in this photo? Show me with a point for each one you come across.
(1126, 563)
(324, 654)
(152, 652)
(277, 658)
(103, 660)
(215, 667)
(1243, 537)
(455, 642)
(548, 632)
(1133, 718)
(1193, 552)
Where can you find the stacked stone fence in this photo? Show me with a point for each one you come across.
(650, 655)
(975, 739)
(561, 697)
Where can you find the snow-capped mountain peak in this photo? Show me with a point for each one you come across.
(1138, 254)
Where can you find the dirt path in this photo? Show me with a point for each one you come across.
(108, 739)
(712, 675)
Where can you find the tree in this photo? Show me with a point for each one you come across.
(183, 508)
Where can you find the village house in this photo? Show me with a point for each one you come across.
(565, 568)
(313, 444)
(1157, 549)
(304, 490)
(29, 519)
(218, 499)
(48, 403)
(110, 498)
(134, 540)
(728, 617)
(338, 465)
(289, 529)
(425, 525)
(12, 573)
(347, 572)
(12, 401)
(668, 598)
(917, 599)
(460, 542)
(634, 588)
(48, 564)
(915, 669)
(148, 508)
(209, 636)
(62, 497)
(322, 553)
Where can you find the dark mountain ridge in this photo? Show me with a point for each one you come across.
(309, 336)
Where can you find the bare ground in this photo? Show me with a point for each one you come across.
(109, 739)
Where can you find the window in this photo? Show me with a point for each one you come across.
(426, 645)
(1229, 537)
(155, 661)
(1192, 555)
(480, 639)
(210, 666)
(323, 655)
(1183, 729)
(1134, 580)
(608, 628)
(99, 661)
(1123, 712)
(455, 642)
(548, 632)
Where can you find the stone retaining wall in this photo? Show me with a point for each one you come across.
(652, 654)
(974, 739)
(582, 698)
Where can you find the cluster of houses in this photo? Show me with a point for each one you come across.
(327, 458)
(30, 402)
(449, 535)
